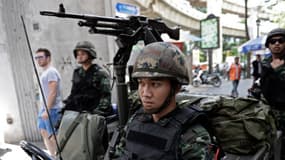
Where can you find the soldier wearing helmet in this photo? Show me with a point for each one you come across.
(90, 84)
(273, 78)
(86, 47)
(160, 129)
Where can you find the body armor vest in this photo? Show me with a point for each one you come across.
(85, 93)
(147, 140)
(273, 87)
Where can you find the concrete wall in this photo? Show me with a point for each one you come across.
(8, 97)
(20, 108)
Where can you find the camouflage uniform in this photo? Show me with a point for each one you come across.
(273, 86)
(134, 102)
(90, 88)
(191, 140)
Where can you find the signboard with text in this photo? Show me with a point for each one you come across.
(127, 9)
(210, 32)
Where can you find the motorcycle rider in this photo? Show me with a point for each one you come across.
(200, 74)
(197, 69)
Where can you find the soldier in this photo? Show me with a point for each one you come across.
(90, 84)
(273, 78)
(160, 129)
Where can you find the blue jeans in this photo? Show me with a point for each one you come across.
(45, 123)
(235, 86)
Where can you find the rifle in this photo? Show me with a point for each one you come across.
(128, 32)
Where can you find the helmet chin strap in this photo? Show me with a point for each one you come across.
(167, 100)
(88, 59)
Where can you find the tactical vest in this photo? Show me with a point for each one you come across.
(85, 93)
(273, 87)
(146, 140)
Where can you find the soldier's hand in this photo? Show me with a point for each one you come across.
(276, 63)
(45, 115)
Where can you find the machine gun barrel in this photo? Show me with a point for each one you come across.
(83, 16)
(98, 24)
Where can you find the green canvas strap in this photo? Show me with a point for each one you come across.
(69, 131)
(192, 100)
(86, 138)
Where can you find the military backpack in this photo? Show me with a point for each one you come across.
(240, 125)
(82, 136)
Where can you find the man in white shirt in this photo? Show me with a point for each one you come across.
(50, 83)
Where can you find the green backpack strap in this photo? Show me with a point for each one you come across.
(69, 131)
(188, 101)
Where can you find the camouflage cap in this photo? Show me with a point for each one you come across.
(161, 59)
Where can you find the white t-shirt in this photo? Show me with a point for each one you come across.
(48, 75)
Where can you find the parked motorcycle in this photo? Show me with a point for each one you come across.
(34, 152)
(204, 77)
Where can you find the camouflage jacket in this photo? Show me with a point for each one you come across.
(273, 84)
(193, 144)
(90, 91)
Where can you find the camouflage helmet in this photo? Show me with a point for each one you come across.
(86, 46)
(161, 59)
(274, 32)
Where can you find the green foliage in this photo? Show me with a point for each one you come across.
(230, 46)
(203, 57)
(201, 9)
(280, 19)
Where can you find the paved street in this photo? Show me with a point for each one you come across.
(12, 152)
(224, 89)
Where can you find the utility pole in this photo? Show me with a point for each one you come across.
(247, 38)
(257, 25)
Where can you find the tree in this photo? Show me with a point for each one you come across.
(280, 19)
(246, 16)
